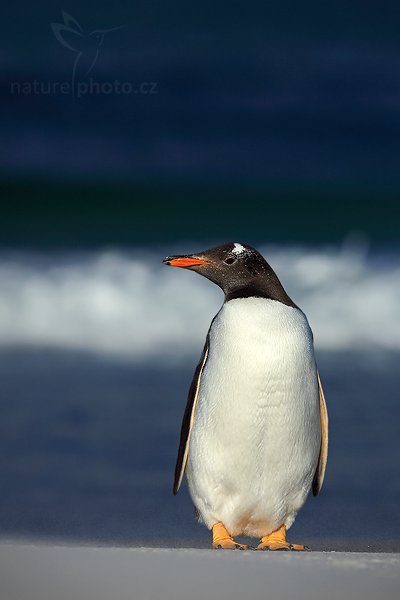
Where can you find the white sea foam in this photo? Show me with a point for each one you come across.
(128, 305)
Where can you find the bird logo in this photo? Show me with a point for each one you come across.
(86, 46)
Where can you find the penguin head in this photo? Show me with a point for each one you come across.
(238, 269)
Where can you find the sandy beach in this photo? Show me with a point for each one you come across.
(44, 572)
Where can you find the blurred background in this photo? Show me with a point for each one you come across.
(135, 130)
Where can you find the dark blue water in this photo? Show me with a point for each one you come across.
(255, 92)
(88, 448)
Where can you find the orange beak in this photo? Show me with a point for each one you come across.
(184, 261)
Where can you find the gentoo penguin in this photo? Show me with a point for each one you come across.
(254, 437)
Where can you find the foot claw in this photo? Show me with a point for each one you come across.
(263, 548)
(299, 548)
(243, 547)
(230, 544)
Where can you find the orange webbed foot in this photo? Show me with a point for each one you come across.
(277, 541)
(222, 540)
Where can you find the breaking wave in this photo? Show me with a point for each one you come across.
(128, 304)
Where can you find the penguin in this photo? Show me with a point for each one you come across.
(254, 436)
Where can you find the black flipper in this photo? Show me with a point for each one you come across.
(323, 455)
(188, 419)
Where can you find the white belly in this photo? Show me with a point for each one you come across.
(255, 441)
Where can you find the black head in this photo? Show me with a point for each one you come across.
(238, 269)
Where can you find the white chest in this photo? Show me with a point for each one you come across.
(261, 353)
(256, 430)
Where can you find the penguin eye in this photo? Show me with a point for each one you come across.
(229, 260)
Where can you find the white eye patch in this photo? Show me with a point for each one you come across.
(238, 248)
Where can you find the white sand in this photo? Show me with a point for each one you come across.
(86, 573)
